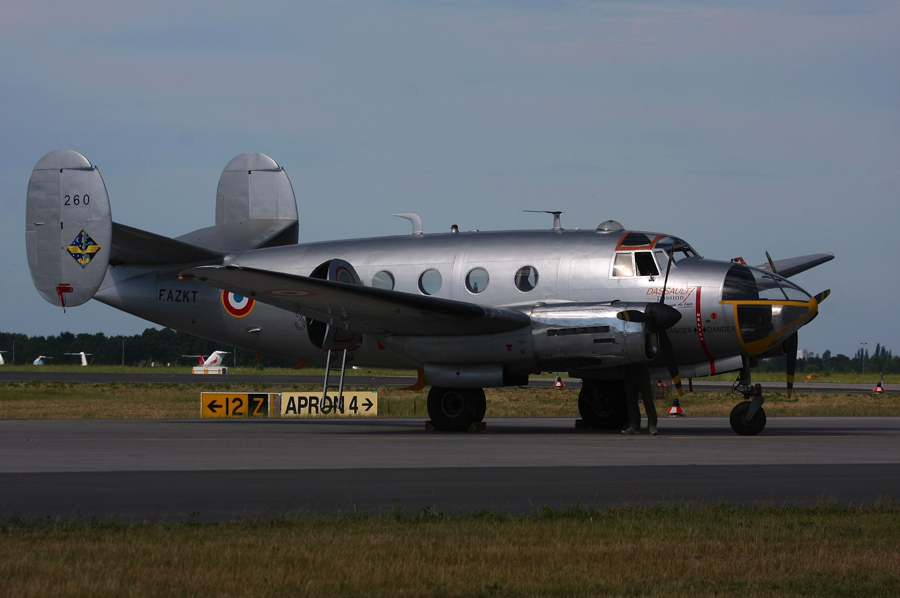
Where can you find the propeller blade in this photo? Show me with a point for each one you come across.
(822, 296)
(669, 357)
(633, 315)
(790, 353)
(771, 263)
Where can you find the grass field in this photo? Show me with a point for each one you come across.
(869, 378)
(41, 400)
(662, 551)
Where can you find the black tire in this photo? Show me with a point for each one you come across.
(743, 426)
(602, 404)
(481, 403)
(455, 409)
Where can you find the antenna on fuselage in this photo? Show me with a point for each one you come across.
(416, 222)
(557, 226)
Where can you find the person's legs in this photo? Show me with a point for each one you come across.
(646, 390)
(632, 390)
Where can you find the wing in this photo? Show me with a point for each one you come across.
(359, 308)
(796, 265)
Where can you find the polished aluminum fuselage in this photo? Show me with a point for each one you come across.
(574, 266)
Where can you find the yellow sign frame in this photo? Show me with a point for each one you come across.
(236, 405)
(309, 405)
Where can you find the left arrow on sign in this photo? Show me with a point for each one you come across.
(213, 405)
(368, 404)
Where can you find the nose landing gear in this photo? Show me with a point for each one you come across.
(748, 418)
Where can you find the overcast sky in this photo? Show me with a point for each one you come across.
(739, 127)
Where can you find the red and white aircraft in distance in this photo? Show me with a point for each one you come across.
(217, 358)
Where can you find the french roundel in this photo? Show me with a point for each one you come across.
(237, 305)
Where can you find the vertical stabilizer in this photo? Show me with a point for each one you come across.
(254, 187)
(68, 228)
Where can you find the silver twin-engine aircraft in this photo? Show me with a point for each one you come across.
(468, 310)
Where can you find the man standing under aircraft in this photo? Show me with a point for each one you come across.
(637, 384)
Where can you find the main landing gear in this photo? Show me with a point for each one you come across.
(748, 417)
(602, 405)
(455, 409)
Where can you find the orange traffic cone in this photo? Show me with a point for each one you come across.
(559, 382)
(676, 410)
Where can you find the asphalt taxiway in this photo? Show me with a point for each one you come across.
(225, 469)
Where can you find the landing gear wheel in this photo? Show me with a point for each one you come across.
(744, 426)
(481, 404)
(455, 409)
(602, 404)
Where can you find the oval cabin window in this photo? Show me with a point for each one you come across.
(526, 278)
(430, 282)
(477, 280)
(383, 280)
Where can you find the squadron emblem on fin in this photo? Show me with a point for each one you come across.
(83, 248)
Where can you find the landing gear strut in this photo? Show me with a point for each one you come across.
(748, 417)
(455, 409)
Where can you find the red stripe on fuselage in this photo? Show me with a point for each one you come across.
(712, 362)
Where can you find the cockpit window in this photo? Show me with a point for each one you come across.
(635, 240)
(749, 284)
(623, 265)
(682, 250)
(645, 264)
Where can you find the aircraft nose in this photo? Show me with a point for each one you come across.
(767, 308)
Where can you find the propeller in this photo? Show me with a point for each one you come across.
(659, 317)
(792, 342)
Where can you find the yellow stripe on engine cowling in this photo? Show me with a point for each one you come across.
(760, 346)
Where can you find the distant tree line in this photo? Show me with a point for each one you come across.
(166, 346)
(881, 361)
(157, 347)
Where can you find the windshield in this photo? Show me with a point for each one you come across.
(682, 249)
(749, 284)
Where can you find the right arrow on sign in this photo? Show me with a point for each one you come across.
(213, 405)
(368, 404)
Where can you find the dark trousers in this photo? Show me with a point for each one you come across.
(638, 384)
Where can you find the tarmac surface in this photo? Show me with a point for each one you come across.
(356, 380)
(209, 470)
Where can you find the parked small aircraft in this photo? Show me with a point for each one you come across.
(83, 356)
(215, 359)
(467, 310)
(40, 360)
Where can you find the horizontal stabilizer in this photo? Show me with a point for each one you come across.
(796, 265)
(135, 247)
(236, 237)
(361, 309)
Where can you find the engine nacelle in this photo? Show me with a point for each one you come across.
(585, 335)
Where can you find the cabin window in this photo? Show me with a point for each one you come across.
(477, 280)
(430, 282)
(383, 280)
(635, 240)
(662, 258)
(526, 278)
(645, 264)
(623, 266)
